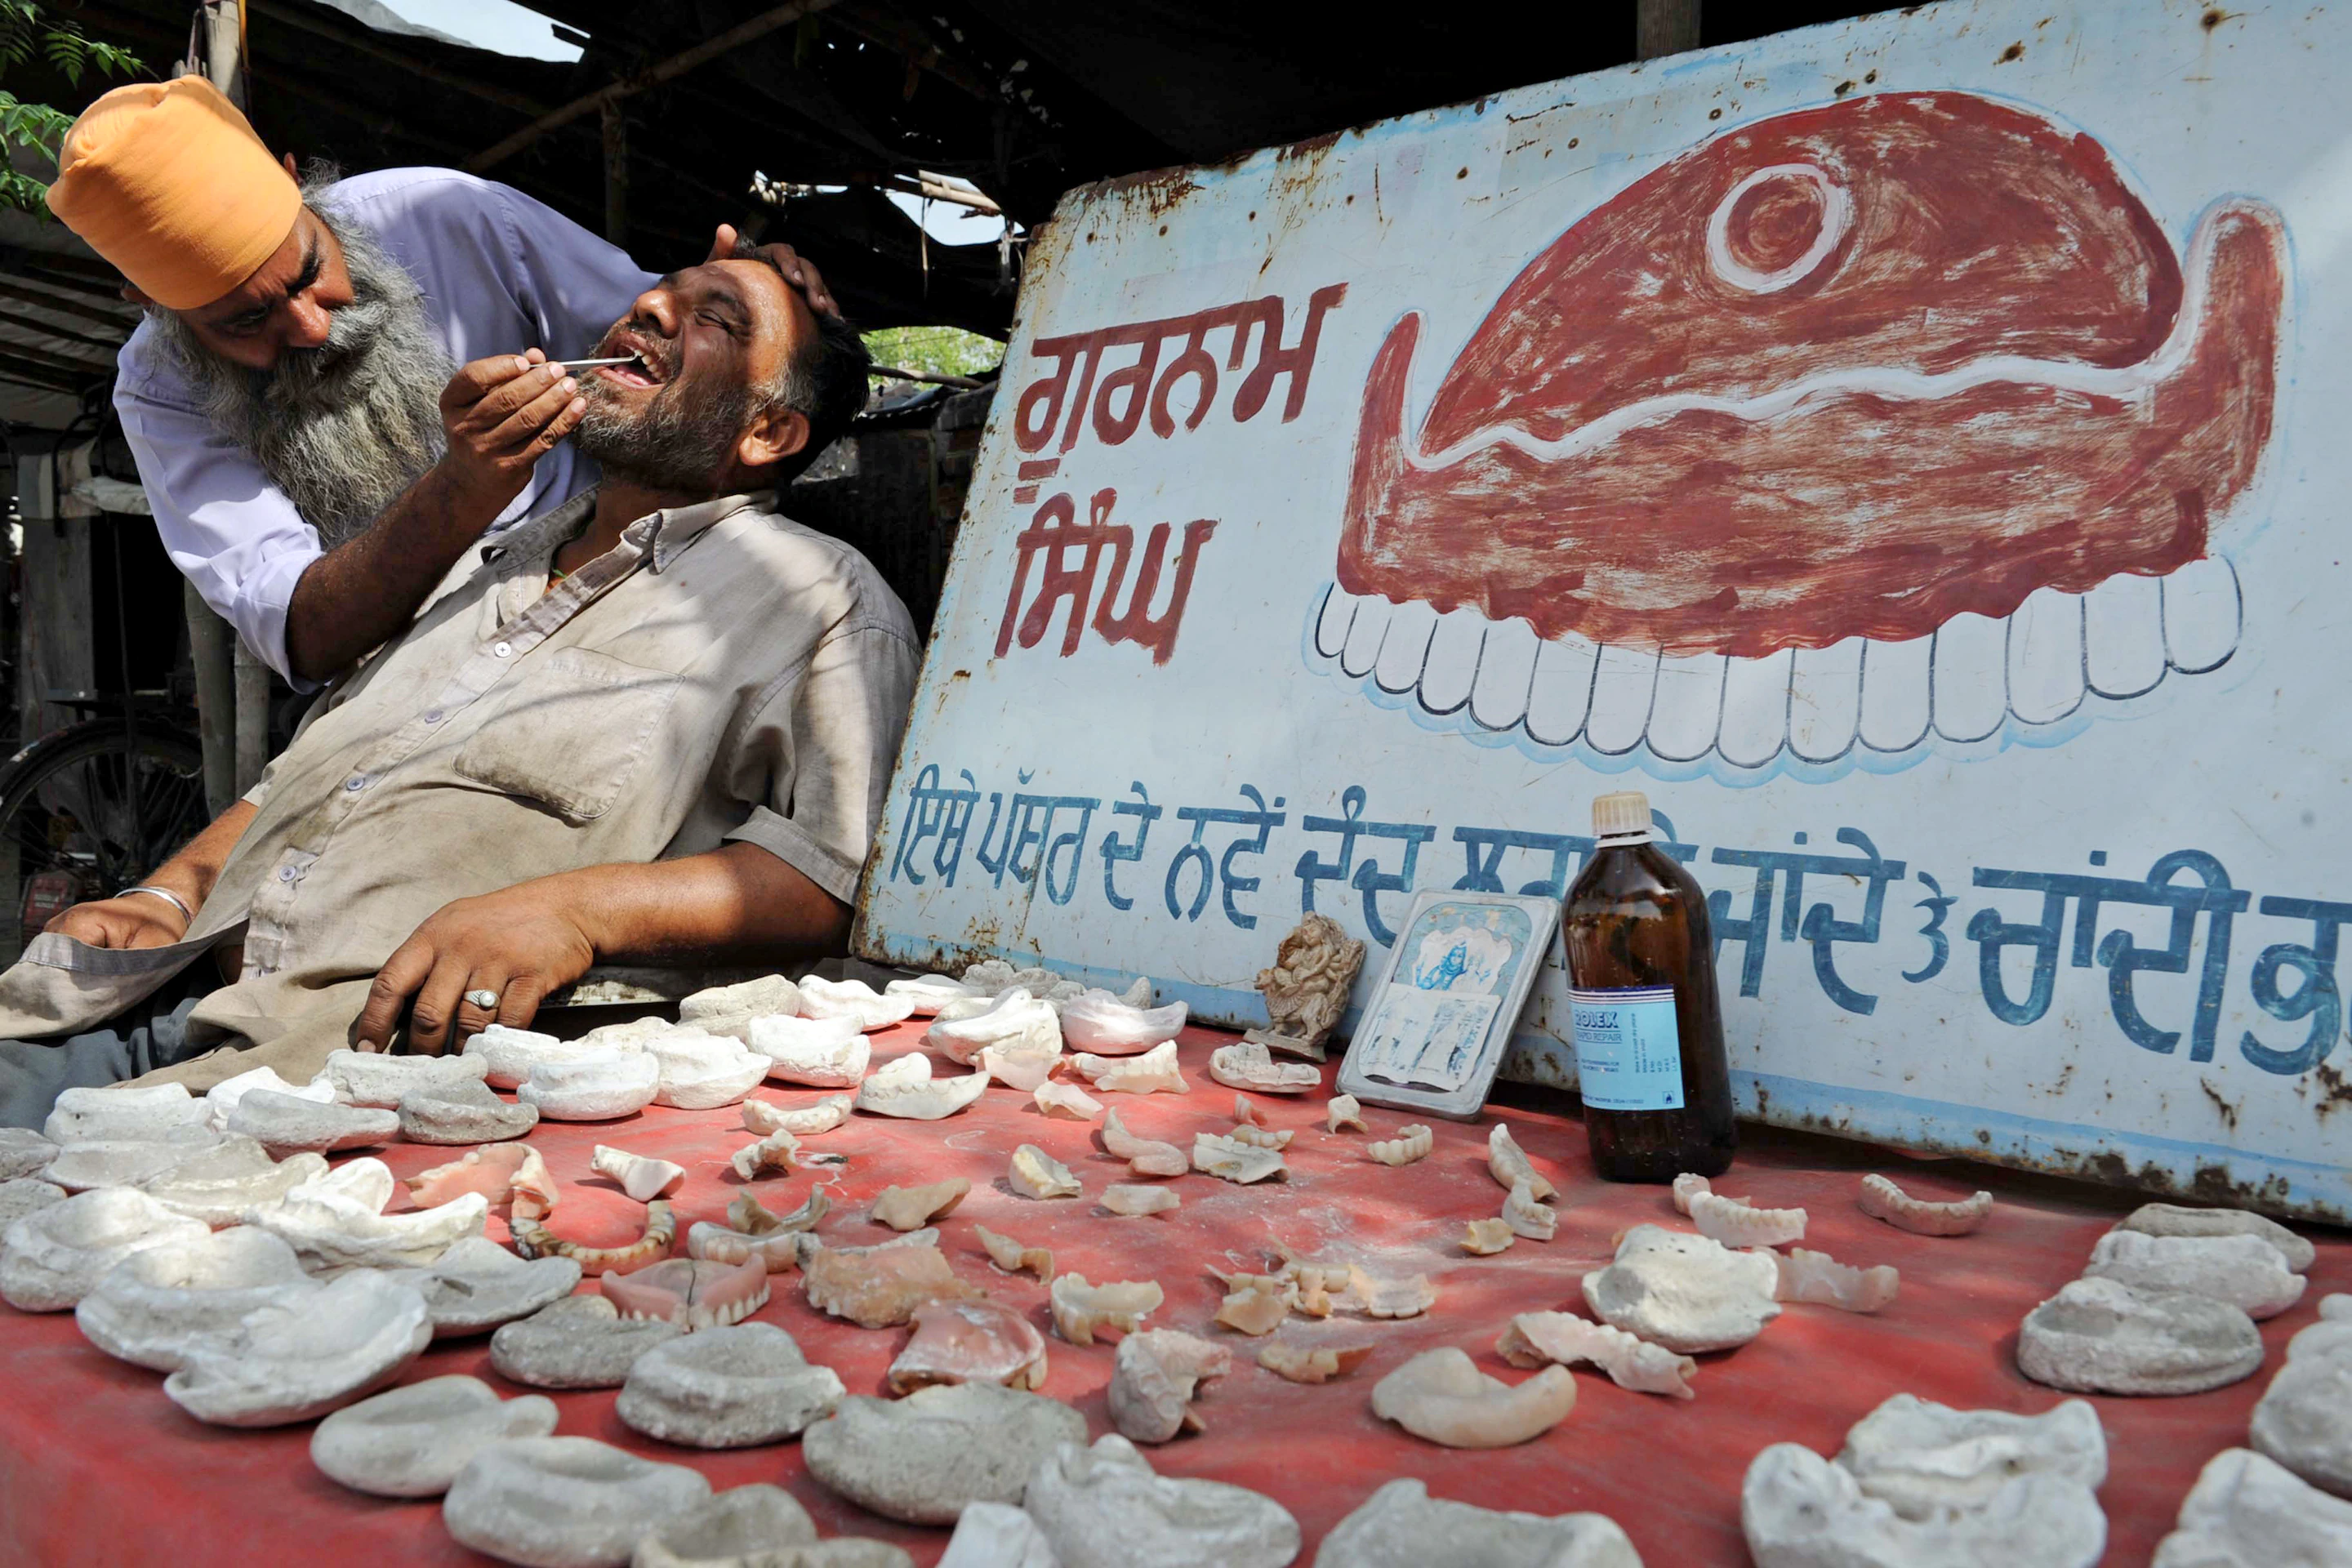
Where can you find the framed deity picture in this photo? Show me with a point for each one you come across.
(1441, 1015)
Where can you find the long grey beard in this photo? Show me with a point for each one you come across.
(341, 429)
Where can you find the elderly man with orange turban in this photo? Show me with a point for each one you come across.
(340, 385)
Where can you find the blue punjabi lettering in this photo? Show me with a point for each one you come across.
(1939, 942)
(1366, 879)
(1116, 849)
(1265, 819)
(2316, 999)
(1818, 925)
(943, 814)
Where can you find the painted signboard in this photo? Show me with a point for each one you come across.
(1912, 451)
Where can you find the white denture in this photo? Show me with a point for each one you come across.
(510, 1055)
(1099, 1022)
(1014, 1022)
(853, 999)
(822, 1053)
(699, 1072)
(596, 1086)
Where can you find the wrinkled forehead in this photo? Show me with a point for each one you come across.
(773, 317)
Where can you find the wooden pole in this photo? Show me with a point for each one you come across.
(1665, 27)
(616, 175)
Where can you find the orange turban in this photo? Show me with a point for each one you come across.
(168, 182)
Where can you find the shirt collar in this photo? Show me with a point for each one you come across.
(663, 534)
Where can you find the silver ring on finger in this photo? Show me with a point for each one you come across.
(486, 999)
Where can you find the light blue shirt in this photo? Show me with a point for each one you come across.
(500, 272)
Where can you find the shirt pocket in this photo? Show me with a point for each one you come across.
(571, 733)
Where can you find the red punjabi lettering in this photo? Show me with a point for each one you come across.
(1054, 533)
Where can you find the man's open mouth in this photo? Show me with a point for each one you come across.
(644, 370)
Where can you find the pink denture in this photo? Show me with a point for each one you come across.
(501, 1173)
(692, 1292)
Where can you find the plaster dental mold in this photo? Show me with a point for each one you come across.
(1376, 1297)
(1248, 1066)
(129, 1162)
(1082, 1311)
(1687, 1186)
(23, 1152)
(1345, 1111)
(1228, 1160)
(880, 1286)
(149, 1307)
(1736, 1222)
(991, 975)
(971, 1006)
(924, 1458)
(699, 1072)
(1101, 1022)
(467, 1113)
(1820, 1279)
(602, 1085)
(853, 999)
(1510, 1166)
(1154, 1072)
(1558, 1338)
(1065, 1100)
(643, 1178)
(911, 1208)
(533, 1240)
(1254, 1304)
(381, 1081)
(566, 1502)
(511, 1173)
(1133, 1200)
(1524, 1216)
(1923, 1459)
(1144, 1156)
(1152, 1382)
(801, 1121)
(755, 1526)
(1882, 1199)
(1316, 1364)
(509, 1056)
(116, 1111)
(2247, 1513)
(218, 1185)
(904, 1088)
(1685, 1292)
(2305, 1419)
(731, 1009)
(1026, 1070)
(1485, 1238)
(413, 1441)
(1013, 1257)
(2171, 1219)
(1104, 1506)
(477, 1285)
(1015, 1021)
(303, 1355)
(22, 1195)
(969, 1342)
(930, 993)
(1138, 992)
(576, 1341)
(220, 1100)
(1261, 1137)
(1037, 1174)
(1441, 1395)
(1307, 989)
(1401, 1526)
(727, 1388)
(1798, 1510)
(2102, 1336)
(2245, 1270)
(286, 1124)
(996, 1535)
(337, 1222)
(694, 1294)
(630, 1035)
(776, 1154)
(821, 1053)
(55, 1256)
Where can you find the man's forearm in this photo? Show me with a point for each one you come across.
(366, 591)
(735, 902)
(192, 872)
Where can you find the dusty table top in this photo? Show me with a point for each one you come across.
(97, 1465)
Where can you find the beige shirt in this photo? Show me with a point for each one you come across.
(723, 674)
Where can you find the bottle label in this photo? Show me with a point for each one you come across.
(1628, 1054)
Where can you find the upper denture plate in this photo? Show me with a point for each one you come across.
(1507, 664)
(2200, 615)
(1824, 699)
(2123, 634)
(1755, 708)
(2045, 657)
(1688, 706)
(1624, 680)
(1896, 693)
(1453, 662)
(1332, 625)
(1365, 635)
(1972, 693)
(1406, 646)
(1559, 693)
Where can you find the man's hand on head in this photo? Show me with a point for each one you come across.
(520, 944)
(798, 269)
(501, 415)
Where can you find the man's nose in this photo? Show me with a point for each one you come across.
(657, 308)
(307, 322)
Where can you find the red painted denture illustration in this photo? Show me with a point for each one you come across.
(1893, 417)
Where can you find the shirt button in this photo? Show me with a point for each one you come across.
(285, 873)
(355, 784)
(503, 649)
(433, 716)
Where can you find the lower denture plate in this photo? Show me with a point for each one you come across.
(1971, 695)
(1453, 661)
(1824, 699)
(1507, 664)
(1896, 693)
(2123, 634)
(1624, 681)
(1755, 708)
(2045, 657)
(1406, 646)
(1688, 706)
(1332, 625)
(1365, 634)
(1559, 694)
(2200, 615)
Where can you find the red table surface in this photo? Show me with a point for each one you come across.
(97, 1465)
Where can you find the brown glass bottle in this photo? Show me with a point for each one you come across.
(1644, 1011)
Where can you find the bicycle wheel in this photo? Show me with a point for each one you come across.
(81, 818)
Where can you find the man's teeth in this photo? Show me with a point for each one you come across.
(2039, 665)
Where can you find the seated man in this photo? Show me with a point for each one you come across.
(653, 725)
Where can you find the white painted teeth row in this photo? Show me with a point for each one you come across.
(2039, 665)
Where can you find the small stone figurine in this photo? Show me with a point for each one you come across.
(1306, 990)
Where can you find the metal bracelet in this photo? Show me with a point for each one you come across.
(165, 894)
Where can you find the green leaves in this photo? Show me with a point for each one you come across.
(25, 33)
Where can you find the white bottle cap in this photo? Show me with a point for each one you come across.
(1624, 815)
